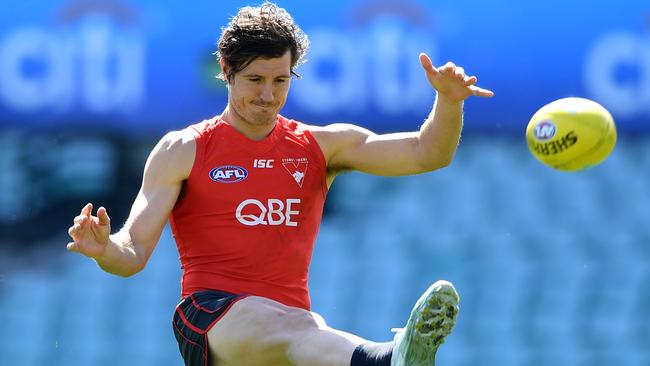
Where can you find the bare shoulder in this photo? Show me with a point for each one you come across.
(175, 153)
(178, 142)
(337, 130)
(333, 137)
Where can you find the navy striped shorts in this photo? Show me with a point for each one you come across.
(194, 317)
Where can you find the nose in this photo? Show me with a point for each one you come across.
(266, 94)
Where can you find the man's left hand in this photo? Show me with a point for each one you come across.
(451, 82)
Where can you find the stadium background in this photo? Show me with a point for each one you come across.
(552, 268)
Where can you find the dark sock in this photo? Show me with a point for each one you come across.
(372, 354)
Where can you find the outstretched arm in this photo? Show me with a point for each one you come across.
(127, 251)
(350, 147)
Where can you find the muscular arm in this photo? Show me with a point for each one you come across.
(127, 251)
(433, 146)
(349, 147)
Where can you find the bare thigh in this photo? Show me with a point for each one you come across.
(258, 331)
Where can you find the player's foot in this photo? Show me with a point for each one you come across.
(431, 320)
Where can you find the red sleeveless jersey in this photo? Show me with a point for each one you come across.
(247, 217)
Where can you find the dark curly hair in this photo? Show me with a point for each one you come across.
(266, 31)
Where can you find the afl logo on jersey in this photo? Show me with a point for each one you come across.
(228, 174)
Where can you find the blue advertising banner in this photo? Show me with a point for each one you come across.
(147, 66)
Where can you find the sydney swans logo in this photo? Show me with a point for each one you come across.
(297, 168)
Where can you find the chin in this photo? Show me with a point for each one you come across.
(264, 118)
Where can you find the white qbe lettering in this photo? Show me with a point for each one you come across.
(276, 212)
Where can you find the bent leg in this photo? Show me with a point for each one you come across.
(260, 331)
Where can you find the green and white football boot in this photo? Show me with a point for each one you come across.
(432, 319)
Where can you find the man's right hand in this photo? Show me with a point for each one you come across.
(90, 234)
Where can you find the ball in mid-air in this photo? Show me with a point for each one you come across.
(571, 134)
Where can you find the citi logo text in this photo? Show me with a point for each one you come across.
(228, 174)
(274, 212)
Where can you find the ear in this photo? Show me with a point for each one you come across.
(224, 68)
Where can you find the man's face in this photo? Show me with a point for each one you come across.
(259, 91)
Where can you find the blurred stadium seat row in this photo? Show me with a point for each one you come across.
(552, 268)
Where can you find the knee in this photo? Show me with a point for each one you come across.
(301, 320)
(282, 328)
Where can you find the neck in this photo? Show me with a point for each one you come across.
(255, 132)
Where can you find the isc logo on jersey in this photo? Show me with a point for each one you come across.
(274, 212)
(228, 174)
